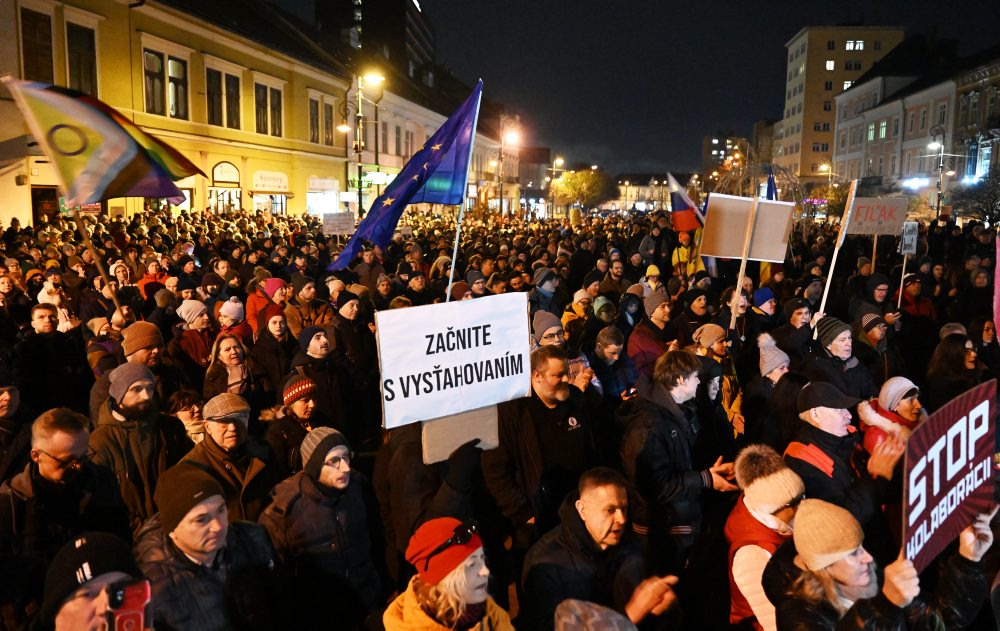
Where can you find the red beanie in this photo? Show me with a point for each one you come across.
(431, 535)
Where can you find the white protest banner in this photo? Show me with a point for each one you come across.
(726, 222)
(908, 244)
(338, 223)
(442, 436)
(877, 215)
(451, 357)
(406, 231)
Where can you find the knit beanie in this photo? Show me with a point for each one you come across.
(122, 378)
(211, 278)
(762, 295)
(600, 303)
(190, 310)
(792, 306)
(164, 298)
(862, 261)
(345, 297)
(767, 482)
(581, 294)
(824, 534)
(829, 328)
(652, 270)
(264, 316)
(316, 445)
(458, 289)
(542, 274)
(81, 560)
(431, 535)
(179, 489)
(94, 325)
(871, 320)
(298, 282)
(708, 334)
(636, 288)
(306, 336)
(140, 335)
(652, 301)
(298, 387)
(893, 391)
(474, 276)
(541, 322)
(232, 308)
(771, 356)
(185, 283)
(591, 278)
(272, 285)
(224, 406)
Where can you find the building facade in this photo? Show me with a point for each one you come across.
(977, 117)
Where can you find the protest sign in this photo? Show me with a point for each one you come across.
(338, 223)
(726, 224)
(877, 215)
(442, 436)
(451, 357)
(406, 231)
(948, 473)
(908, 244)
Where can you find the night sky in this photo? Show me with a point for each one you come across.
(633, 85)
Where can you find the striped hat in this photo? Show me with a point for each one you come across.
(298, 387)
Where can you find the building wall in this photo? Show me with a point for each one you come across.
(819, 67)
(976, 120)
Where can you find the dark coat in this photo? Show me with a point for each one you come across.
(285, 435)
(323, 536)
(241, 590)
(37, 518)
(51, 370)
(330, 394)
(274, 357)
(247, 474)
(851, 377)
(352, 346)
(168, 381)
(15, 442)
(138, 451)
(566, 563)
(258, 392)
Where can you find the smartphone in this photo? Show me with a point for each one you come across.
(130, 609)
(632, 391)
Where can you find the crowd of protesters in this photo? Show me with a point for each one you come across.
(193, 400)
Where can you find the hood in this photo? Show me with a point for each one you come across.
(874, 281)
(574, 532)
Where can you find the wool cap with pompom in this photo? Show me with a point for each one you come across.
(771, 356)
(767, 482)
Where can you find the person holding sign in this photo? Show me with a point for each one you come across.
(838, 587)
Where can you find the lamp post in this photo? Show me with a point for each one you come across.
(347, 108)
(625, 203)
(510, 134)
(556, 164)
(938, 145)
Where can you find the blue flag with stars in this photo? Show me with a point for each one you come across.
(772, 188)
(436, 174)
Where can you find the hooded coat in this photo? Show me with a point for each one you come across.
(406, 614)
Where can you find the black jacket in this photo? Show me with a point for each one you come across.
(274, 357)
(851, 377)
(330, 394)
(247, 474)
(51, 370)
(567, 563)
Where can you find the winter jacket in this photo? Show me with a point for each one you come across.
(241, 330)
(285, 434)
(796, 342)
(332, 383)
(540, 300)
(352, 346)
(879, 424)
(567, 563)
(300, 316)
(829, 466)
(646, 344)
(256, 389)
(882, 361)
(158, 279)
(751, 544)
(322, 536)
(15, 442)
(406, 614)
(241, 590)
(851, 377)
(274, 357)
(256, 302)
(191, 351)
(51, 370)
(138, 451)
(168, 381)
(247, 474)
(38, 517)
(657, 450)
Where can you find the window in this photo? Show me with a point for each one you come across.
(817, 126)
(909, 122)
(408, 147)
(892, 167)
(328, 124)
(880, 164)
(36, 43)
(848, 84)
(314, 120)
(828, 86)
(222, 95)
(877, 44)
(962, 110)
(852, 64)
(399, 140)
(177, 88)
(232, 92)
(942, 113)
(849, 44)
(81, 52)
(826, 127)
(267, 109)
(275, 112)
(854, 137)
(831, 44)
(871, 132)
(213, 96)
(831, 64)
(882, 129)
(895, 127)
(827, 106)
(923, 119)
(260, 106)
(385, 136)
(973, 109)
(152, 63)
(842, 141)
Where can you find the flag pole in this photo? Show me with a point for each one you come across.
(841, 235)
(902, 279)
(87, 243)
(747, 240)
(465, 200)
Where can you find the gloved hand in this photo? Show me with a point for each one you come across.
(462, 463)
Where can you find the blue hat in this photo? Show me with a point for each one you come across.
(762, 295)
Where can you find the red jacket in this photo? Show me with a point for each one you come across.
(645, 346)
(879, 423)
(919, 307)
(742, 529)
(256, 302)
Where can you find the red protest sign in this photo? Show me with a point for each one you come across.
(948, 473)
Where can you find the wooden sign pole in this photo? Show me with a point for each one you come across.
(841, 234)
(747, 241)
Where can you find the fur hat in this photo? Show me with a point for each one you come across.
(771, 356)
(824, 534)
(767, 482)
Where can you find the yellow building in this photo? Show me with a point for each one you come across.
(822, 62)
(236, 85)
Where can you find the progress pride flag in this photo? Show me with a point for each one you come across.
(949, 475)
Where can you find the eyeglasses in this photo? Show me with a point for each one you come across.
(552, 336)
(70, 464)
(336, 460)
(462, 535)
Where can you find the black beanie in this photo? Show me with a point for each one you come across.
(81, 560)
(345, 297)
(181, 488)
(306, 335)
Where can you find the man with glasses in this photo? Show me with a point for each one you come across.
(319, 523)
(60, 494)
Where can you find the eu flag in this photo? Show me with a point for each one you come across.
(772, 188)
(436, 174)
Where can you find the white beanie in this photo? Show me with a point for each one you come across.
(767, 482)
(893, 391)
(190, 310)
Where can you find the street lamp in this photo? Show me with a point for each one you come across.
(347, 108)
(510, 134)
(938, 145)
(626, 183)
(556, 164)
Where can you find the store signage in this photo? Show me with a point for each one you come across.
(270, 181)
(225, 173)
(322, 184)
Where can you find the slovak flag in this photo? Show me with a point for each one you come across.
(685, 214)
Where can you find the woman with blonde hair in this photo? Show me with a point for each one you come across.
(449, 590)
